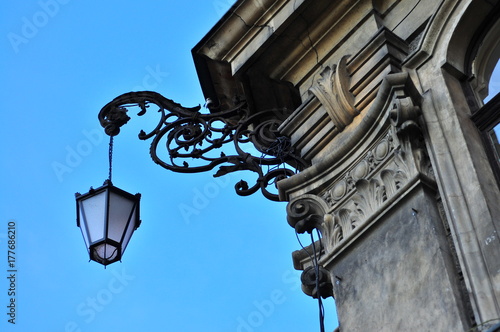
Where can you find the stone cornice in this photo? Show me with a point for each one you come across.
(311, 47)
(246, 27)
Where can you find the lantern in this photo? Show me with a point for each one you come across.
(107, 217)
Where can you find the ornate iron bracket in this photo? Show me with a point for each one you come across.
(191, 136)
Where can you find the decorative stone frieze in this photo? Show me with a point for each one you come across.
(392, 165)
(368, 164)
(366, 191)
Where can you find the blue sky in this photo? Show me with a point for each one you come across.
(226, 267)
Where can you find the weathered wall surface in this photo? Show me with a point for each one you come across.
(401, 275)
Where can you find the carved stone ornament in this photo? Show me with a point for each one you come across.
(395, 158)
(332, 90)
(393, 164)
(306, 214)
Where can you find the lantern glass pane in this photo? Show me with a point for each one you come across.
(94, 211)
(120, 210)
(83, 228)
(130, 229)
(105, 253)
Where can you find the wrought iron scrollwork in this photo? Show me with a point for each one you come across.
(193, 139)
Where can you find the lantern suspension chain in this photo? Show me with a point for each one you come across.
(110, 157)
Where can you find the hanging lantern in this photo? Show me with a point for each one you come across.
(107, 217)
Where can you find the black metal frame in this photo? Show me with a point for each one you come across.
(110, 188)
(189, 134)
(486, 118)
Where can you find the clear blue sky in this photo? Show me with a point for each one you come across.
(227, 268)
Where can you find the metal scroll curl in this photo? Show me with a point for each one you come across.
(194, 140)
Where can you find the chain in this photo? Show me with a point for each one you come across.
(110, 156)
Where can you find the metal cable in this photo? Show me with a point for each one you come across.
(314, 259)
(320, 302)
(279, 149)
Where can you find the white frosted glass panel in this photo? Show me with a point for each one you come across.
(129, 232)
(82, 226)
(119, 214)
(94, 209)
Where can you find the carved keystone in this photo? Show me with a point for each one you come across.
(332, 90)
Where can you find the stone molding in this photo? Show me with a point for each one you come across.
(248, 25)
(343, 91)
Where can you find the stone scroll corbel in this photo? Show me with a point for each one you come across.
(404, 118)
(305, 214)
